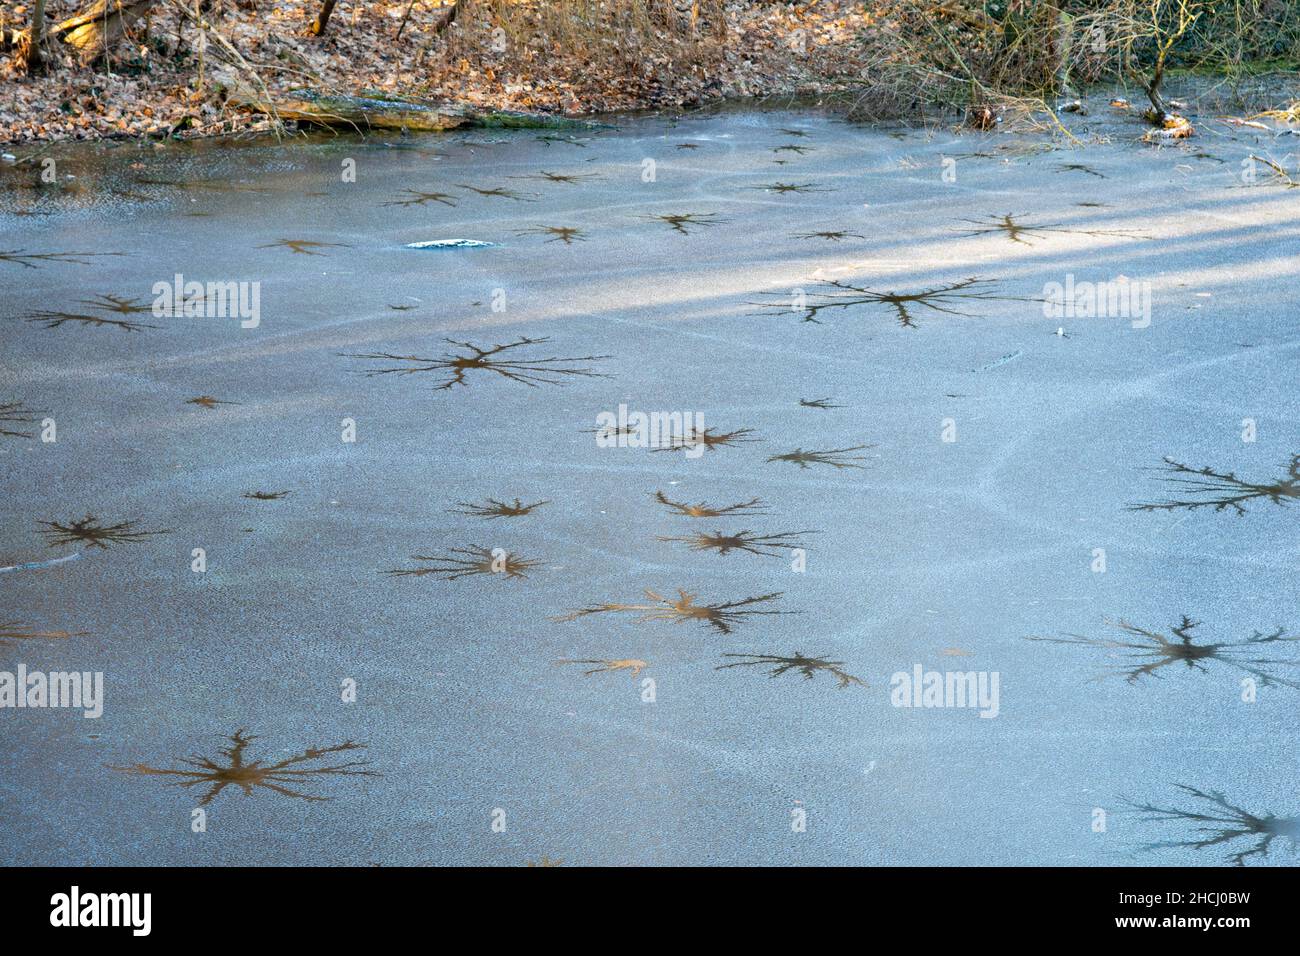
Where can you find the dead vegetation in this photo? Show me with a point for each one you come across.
(115, 68)
(178, 68)
(1017, 63)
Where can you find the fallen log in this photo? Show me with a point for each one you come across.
(374, 110)
(361, 112)
(95, 30)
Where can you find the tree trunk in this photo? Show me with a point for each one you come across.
(31, 51)
(322, 20)
(1062, 50)
(1158, 109)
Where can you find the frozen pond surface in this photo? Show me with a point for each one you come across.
(947, 554)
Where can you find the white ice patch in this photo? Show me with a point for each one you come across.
(451, 244)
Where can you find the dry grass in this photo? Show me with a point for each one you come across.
(1018, 56)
